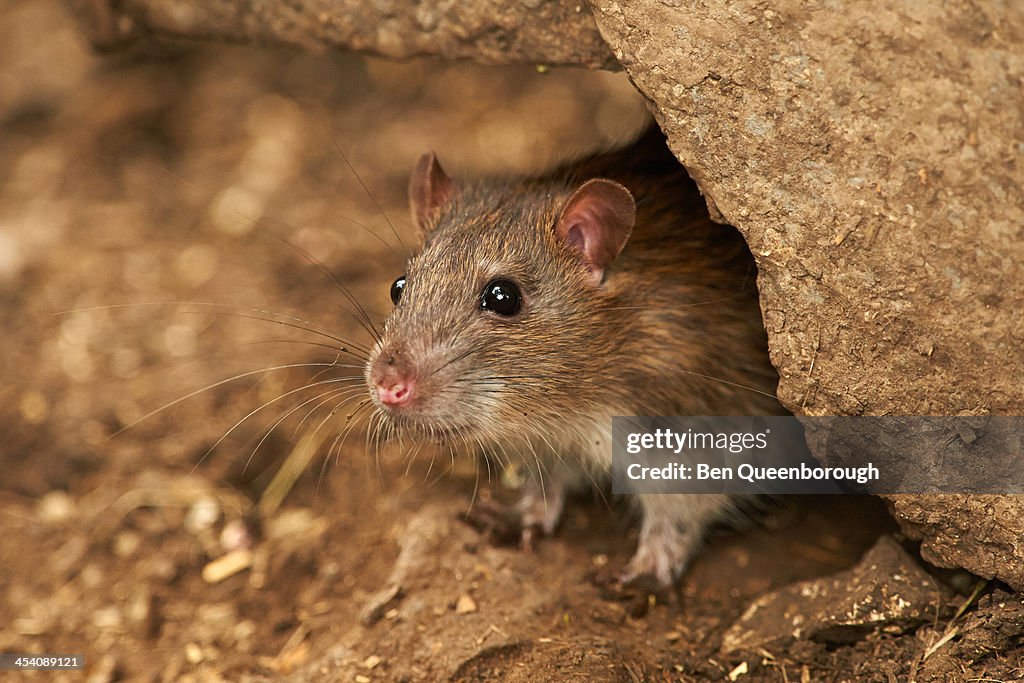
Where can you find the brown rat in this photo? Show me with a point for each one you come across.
(539, 307)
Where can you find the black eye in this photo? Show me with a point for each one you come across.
(502, 297)
(396, 289)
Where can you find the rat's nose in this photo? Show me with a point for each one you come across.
(394, 393)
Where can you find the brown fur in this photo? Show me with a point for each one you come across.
(674, 329)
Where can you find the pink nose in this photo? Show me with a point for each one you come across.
(397, 394)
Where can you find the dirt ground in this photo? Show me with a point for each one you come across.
(142, 198)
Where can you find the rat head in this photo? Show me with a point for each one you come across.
(499, 325)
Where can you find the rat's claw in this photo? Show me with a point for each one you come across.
(648, 566)
(498, 522)
(662, 554)
(541, 509)
(526, 540)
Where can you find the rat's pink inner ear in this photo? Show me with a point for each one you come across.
(430, 188)
(596, 222)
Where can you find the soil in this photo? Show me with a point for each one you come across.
(143, 198)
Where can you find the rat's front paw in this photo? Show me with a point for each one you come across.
(498, 522)
(539, 509)
(506, 524)
(662, 554)
(649, 578)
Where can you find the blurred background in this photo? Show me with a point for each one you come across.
(139, 188)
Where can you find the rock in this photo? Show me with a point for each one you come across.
(465, 605)
(994, 627)
(984, 534)
(885, 591)
(861, 156)
(549, 32)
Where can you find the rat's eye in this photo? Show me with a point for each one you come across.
(502, 297)
(396, 289)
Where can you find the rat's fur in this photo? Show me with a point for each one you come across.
(673, 329)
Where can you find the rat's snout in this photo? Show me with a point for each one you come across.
(394, 394)
(392, 380)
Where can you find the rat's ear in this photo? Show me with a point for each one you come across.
(430, 188)
(597, 221)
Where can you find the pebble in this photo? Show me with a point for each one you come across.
(227, 565)
(55, 507)
(465, 605)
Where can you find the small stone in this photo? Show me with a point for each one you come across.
(371, 662)
(193, 653)
(738, 671)
(227, 565)
(245, 629)
(55, 507)
(203, 514)
(465, 605)
(140, 606)
(126, 543)
(107, 618)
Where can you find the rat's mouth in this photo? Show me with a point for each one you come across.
(442, 432)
